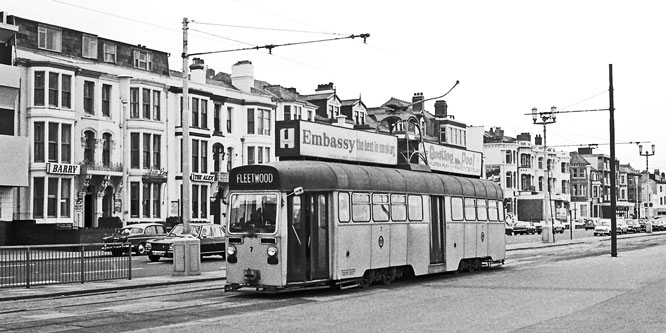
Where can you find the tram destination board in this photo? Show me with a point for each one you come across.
(254, 177)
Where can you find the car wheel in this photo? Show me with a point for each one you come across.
(154, 258)
(141, 249)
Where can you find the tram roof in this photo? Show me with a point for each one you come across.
(328, 176)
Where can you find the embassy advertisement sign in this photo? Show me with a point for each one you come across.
(453, 160)
(302, 138)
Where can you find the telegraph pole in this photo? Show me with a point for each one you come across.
(186, 154)
(611, 110)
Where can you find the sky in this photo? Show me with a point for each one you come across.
(509, 56)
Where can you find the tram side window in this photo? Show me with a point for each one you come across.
(457, 209)
(398, 207)
(361, 207)
(415, 208)
(481, 209)
(343, 207)
(470, 209)
(500, 210)
(380, 207)
(492, 210)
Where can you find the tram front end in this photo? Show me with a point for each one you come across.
(255, 255)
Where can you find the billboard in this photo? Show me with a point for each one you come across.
(453, 160)
(302, 138)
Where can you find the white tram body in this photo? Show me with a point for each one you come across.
(347, 225)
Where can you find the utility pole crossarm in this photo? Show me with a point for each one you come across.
(270, 47)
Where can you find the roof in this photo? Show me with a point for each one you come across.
(576, 159)
(327, 176)
(319, 96)
(286, 95)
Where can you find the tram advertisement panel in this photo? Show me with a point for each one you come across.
(302, 138)
(453, 160)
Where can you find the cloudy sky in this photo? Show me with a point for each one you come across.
(509, 56)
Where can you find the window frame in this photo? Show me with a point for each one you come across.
(49, 35)
(398, 208)
(381, 207)
(361, 207)
(146, 63)
(457, 209)
(413, 209)
(344, 215)
(89, 49)
(109, 49)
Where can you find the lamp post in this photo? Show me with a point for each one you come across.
(546, 118)
(647, 154)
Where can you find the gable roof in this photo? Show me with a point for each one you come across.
(577, 159)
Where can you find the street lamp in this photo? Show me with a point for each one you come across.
(546, 118)
(647, 154)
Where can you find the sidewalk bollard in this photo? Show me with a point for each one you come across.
(648, 227)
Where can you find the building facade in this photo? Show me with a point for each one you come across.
(535, 180)
(102, 119)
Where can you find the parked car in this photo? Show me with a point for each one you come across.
(658, 224)
(136, 234)
(558, 227)
(602, 228)
(210, 235)
(633, 226)
(589, 224)
(621, 226)
(523, 228)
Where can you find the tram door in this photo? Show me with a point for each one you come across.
(307, 221)
(438, 230)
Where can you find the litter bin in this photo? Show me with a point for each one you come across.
(648, 226)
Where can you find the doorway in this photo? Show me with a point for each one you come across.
(89, 207)
(307, 241)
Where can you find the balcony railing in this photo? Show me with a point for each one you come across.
(98, 166)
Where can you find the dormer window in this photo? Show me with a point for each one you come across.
(143, 60)
(89, 49)
(453, 135)
(49, 38)
(110, 53)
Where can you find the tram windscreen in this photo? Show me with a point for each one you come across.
(253, 213)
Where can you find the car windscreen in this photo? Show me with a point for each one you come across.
(128, 231)
(253, 213)
(178, 230)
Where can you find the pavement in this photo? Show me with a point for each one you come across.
(56, 290)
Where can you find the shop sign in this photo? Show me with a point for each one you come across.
(63, 169)
(155, 176)
(202, 177)
(453, 160)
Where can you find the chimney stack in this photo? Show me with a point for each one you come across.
(441, 109)
(326, 87)
(418, 97)
(242, 75)
(538, 140)
(198, 71)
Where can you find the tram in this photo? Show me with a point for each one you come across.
(312, 223)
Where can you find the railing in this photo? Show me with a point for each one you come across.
(98, 166)
(26, 266)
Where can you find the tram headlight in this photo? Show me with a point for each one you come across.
(272, 251)
(231, 250)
